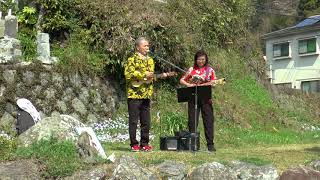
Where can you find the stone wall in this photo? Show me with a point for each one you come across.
(87, 98)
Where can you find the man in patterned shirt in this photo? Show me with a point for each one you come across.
(139, 73)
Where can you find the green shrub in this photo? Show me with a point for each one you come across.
(308, 8)
(77, 56)
(27, 19)
(27, 38)
(172, 122)
(58, 17)
(6, 5)
(59, 158)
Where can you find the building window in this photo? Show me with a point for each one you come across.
(311, 86)
(281, 50)
(307, 46)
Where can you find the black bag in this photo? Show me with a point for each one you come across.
(188, 141)
(24, 121)
(168, 143)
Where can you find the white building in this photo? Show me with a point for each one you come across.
(292, 55)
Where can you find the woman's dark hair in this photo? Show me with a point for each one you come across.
(198, 54)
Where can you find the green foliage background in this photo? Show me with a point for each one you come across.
(98, 36)
(309, 7)
(176, 29)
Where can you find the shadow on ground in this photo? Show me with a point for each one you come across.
(313, 149)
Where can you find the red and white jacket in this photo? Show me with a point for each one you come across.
(204, 74)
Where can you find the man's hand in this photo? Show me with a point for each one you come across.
(149, 75)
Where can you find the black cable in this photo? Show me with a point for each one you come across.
(168, 62)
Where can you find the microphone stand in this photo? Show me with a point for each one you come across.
(195, 118)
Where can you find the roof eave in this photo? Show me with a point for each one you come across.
(290, 31)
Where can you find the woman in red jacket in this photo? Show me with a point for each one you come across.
(201, 74)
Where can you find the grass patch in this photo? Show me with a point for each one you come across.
(235, 137)
(251, 92)
(281, 156)
(59, 158)
(255, 160)
(7, 149)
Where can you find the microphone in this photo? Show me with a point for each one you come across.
(151, 53)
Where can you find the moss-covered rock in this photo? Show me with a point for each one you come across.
(56, 126)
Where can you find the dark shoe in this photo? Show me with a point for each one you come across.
(211, 148)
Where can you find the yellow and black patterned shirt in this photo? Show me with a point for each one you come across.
(135, 71)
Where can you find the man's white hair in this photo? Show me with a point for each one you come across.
(138, 41)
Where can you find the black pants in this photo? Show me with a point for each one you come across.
(139, 109)
(207, 116)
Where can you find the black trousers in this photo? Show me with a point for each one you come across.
(207, 116)
(139, 109)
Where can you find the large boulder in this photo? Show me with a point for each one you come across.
(61, 127)
(9, 76)
(21, 169)
(212, 171)
(252, 172)
(315, 165)
(79, 106)
(130, 168)
(172, 170)
(95, 173)
(8, 121)
(300, 173)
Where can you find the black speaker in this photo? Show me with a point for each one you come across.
(169, 143)
(189, 142)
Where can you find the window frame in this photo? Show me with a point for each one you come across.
(316, 51)
(281, 56)
(310, 81)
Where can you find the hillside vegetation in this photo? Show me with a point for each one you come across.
(97, 36)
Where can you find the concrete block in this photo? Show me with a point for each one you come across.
(43, 38)
(43, 49)
(2, 28)
(11, 26)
